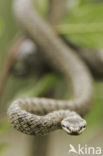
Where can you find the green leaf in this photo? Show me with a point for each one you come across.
(80, 28)
(84, 26)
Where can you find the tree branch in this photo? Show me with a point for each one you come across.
(8, 65)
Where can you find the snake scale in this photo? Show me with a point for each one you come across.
(39, 116)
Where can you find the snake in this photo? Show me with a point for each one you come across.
(39, 116)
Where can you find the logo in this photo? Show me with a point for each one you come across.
(85, 150)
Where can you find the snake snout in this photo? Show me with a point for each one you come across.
(74, 124)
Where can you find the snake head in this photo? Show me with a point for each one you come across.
(73, 124)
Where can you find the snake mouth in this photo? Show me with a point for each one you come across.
(74, 131)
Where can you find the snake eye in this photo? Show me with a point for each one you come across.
(82, 127)
(64, 126)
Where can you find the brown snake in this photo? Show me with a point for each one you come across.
(38, 116)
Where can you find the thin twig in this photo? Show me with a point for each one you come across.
(8, 65)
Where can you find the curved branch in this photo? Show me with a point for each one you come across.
(8, 65)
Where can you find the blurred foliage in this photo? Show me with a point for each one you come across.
(42, 7)
(4, 126)
(95, 117)
(1, 26)
(43, 86)
(3, 147)
(84, 26)
(10, 28)
(85, 2)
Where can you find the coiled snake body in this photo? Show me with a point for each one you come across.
(38, 116)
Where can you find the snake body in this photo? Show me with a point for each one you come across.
(38, 116)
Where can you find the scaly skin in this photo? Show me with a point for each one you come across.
(25, 114)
